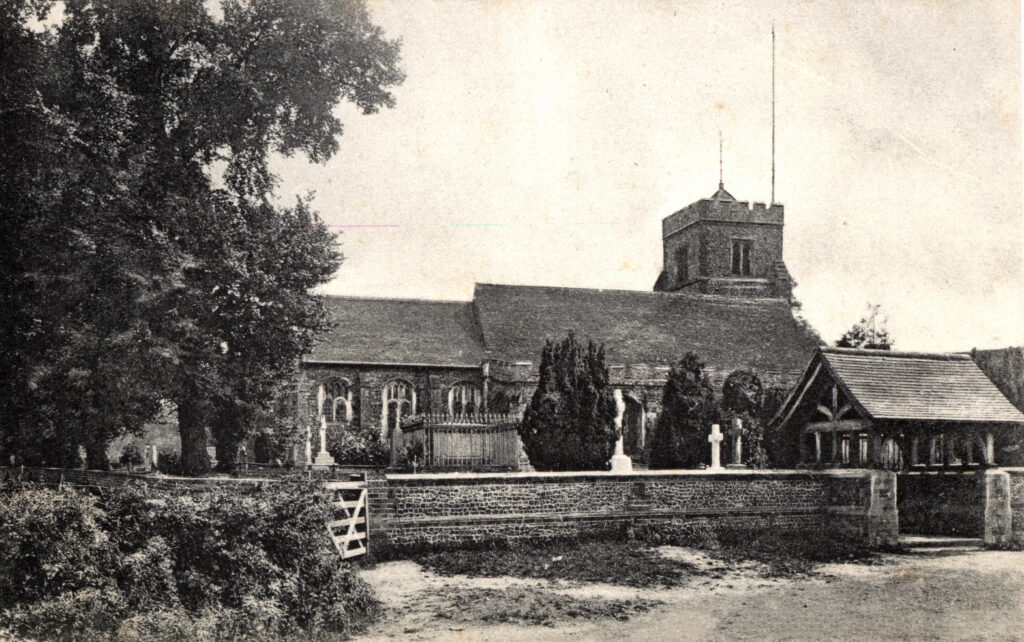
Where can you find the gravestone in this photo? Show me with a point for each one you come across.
(621, 462)
(323, 458)
(149, 457)
(211, 452)
(736, 441)
(715, 438)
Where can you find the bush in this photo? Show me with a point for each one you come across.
(357, 446)
(570, 422)
(51, 543)
(168, 464)
(219, 563)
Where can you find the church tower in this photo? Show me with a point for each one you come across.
(719, 245)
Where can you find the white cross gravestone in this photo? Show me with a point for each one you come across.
(716, 438)
(621, 462)
(149, 456)
(323, 458)
(737, 444)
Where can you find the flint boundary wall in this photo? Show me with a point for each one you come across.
(452, 510)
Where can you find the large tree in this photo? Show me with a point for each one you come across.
(132, 273)
(870, 332)
(570, 422)
(680, 438)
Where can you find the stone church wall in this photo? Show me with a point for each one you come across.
(431, 386)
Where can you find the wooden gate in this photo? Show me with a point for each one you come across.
(350, 532)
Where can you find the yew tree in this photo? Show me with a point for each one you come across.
(570, 421)
(144, 257)
(680, 438)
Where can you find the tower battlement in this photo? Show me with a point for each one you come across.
(724, 211)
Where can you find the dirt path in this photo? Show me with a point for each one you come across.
(972, 595)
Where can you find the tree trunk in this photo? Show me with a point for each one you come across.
(95, 455)
(192, 427)
(227, 455)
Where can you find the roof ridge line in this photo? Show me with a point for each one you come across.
(674, 294)
(936, 356)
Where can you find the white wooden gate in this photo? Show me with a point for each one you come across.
(350, 532)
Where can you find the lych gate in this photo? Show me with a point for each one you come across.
(932, 418)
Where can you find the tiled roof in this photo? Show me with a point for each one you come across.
(400, 331)
(644, 327)
(919, 386)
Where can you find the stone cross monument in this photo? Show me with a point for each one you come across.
(621, 462)
(716, 443)
(323, 458)
(737, 444)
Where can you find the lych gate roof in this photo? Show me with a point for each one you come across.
(915, 386)
(644, 327)
(400, 331)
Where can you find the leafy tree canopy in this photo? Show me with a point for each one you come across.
(870, 332)
(680, 438)
(130, 273)
(570, 422)
(743, 397)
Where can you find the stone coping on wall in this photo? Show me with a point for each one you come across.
(600, 475)
(680, 513)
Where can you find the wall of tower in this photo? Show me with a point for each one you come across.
(701, 236)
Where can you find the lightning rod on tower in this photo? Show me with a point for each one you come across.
(772, 202)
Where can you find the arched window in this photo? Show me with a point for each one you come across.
(336, 401)
(464, 399)
(398, 402)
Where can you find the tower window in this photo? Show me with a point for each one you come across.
(741, 257)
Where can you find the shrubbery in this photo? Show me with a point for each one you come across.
(209, 564)
(357, 446)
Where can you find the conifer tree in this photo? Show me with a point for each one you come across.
(570, 422)
(688, 410)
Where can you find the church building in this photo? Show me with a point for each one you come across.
(724, 293)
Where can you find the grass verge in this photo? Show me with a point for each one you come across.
(636, 561)
(528, 606)
(615, 562)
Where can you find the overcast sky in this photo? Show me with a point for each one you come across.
(543, 142)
